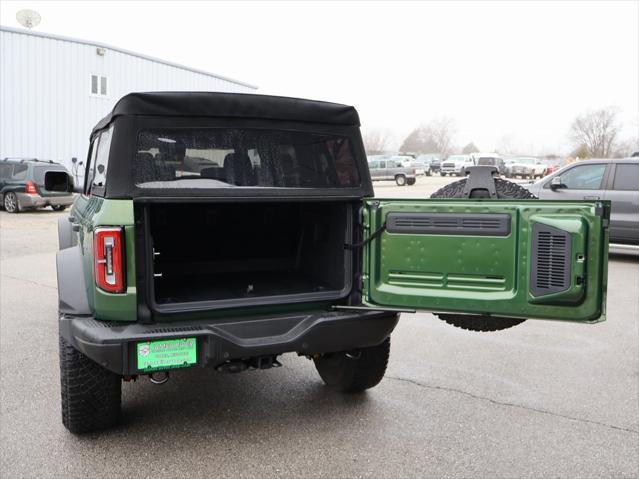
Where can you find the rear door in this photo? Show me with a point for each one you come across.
(375, 170)
(510, 258)
(5, 173)
(623, 192)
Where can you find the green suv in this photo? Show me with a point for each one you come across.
(223, 230)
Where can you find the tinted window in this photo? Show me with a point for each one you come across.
(487, 161)
(626, 177)
(90, 167)
(584, 177)
(5, 171)
(20, 172)
(222, 158)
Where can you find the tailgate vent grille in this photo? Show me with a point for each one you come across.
(551, 253)
(477, 224)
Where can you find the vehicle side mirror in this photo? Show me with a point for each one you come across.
(556, 183)
(59, 181)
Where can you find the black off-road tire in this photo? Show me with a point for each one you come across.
(400, 180)
(441, 173)
(91, 395)
(58, 207)
(411, 181)
(505, 190)
(355, 371)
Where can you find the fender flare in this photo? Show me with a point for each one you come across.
(72, 292)
(66, 236)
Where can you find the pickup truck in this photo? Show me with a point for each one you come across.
(456, 165)
(392, 170)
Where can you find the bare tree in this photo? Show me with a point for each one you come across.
(470, 148)
(625, 148)
(507, 145)
(434, 137)
(596, 131)
(377, 140)
(443, 130)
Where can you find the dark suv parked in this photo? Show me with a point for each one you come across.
(22, 185)
(274, 243)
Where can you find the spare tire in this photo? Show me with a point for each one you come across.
(505, 190)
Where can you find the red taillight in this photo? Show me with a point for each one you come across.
(30, 188)
(108, 259)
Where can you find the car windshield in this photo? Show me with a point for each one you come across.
(223, 158)
(526, 161)
(456, 158)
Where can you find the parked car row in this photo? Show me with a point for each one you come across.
(22, 185)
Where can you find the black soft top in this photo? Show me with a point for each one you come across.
(233, 105)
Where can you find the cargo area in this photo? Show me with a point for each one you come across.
(234, 254)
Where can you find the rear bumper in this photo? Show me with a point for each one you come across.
(37, 201)
(112, 344)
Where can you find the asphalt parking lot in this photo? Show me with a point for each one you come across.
(543, 399)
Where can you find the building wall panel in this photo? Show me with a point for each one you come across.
(46, 107)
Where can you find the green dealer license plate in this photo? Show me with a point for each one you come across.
(166, 354)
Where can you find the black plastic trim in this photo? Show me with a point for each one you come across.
(66, 236)
(551, 260)
(112, 344)
(462, 224)
(72, 295)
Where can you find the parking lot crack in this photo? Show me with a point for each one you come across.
(29, 281)
(509, 404)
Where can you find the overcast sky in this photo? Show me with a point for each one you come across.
(506, 72)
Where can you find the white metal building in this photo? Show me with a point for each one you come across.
(54, 89)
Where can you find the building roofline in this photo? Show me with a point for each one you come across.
(23, 31)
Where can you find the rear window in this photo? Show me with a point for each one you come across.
(39, 171)
(223, 158)
(20, 171)
(487, 161)
(626, 177)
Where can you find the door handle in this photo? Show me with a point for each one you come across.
(75, 227)
(591, 197)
